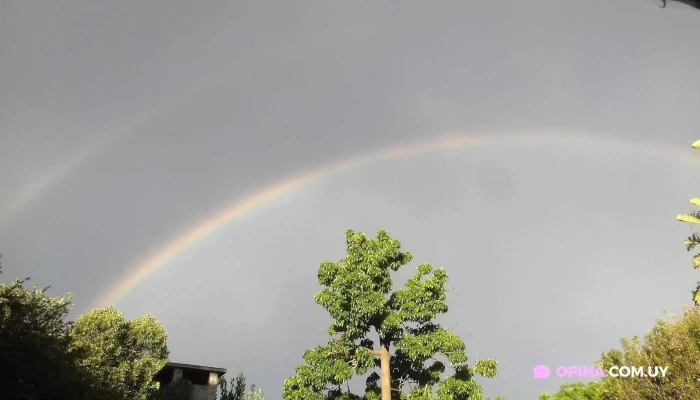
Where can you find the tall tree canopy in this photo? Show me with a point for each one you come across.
(413, 349)
(122, 355)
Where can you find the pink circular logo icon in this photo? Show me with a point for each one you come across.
(540, 372)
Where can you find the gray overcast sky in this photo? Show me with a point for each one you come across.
(135, 120)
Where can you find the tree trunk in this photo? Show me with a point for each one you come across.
(385, 359)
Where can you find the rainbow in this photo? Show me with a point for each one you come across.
(161, 108)
(165, 254)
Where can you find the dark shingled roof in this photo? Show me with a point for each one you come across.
(198, 372)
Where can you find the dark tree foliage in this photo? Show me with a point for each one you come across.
(236, 390)
(43, 356)
(36, 359)
(180, 389)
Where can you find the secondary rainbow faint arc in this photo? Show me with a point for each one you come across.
(166, 253)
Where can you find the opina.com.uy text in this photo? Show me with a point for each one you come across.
(543, 371)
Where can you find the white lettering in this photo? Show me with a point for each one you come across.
(638, 371)
(614, 371)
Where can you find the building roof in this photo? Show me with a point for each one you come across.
(221, 371)
(165, 373)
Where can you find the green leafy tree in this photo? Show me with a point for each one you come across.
(576, 391)
(694, 239)
(673, 342)
(122, 355)
(412, 351)
(36, 359)
(237, 390)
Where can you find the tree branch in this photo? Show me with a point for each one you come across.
(372, 352)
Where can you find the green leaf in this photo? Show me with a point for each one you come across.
(692, 241)
(690, 218)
